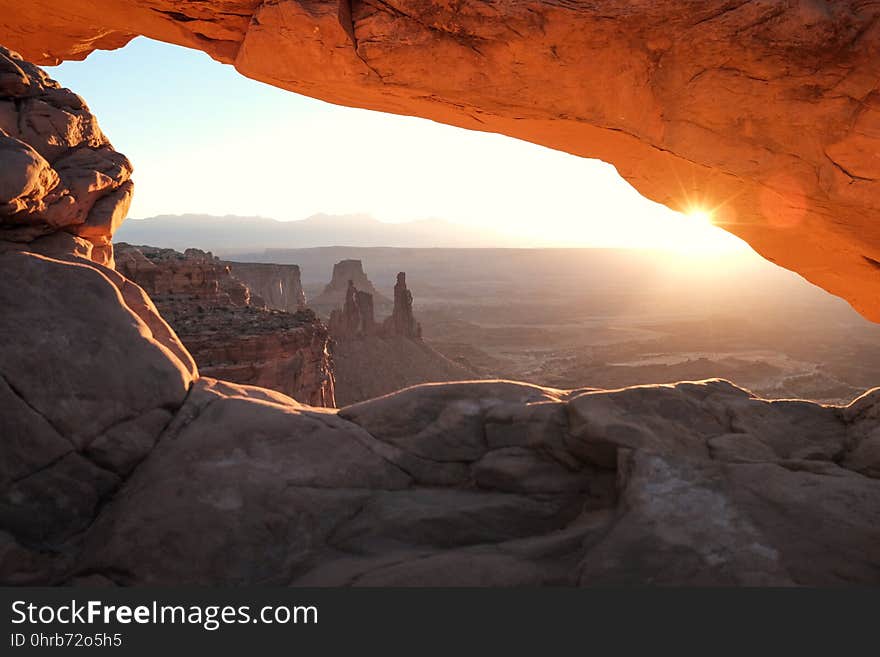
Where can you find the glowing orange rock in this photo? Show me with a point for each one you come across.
(58, 172)
(768, 112)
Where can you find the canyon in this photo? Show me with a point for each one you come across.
(123, 464)
(231, 332)
(372, 358)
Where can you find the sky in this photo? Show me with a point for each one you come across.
(204, 139)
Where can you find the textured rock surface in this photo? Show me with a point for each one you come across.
(766, 112)
(478, 483)
(279, 286)
(230, 332)
(287, 352)
(58, 172)
(194, 275)
(89, 377)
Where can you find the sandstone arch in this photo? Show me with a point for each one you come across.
(119, 464)
(766, 110)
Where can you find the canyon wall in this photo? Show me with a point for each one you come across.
(335, 294)
(764, 113)
(230, 332)
(279, 286)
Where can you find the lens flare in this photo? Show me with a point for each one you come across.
(700, 214)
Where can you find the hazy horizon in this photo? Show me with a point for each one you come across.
(232, 233)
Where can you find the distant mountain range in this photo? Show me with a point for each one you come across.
(236, 234)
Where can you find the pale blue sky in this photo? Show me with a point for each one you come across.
(205, 139)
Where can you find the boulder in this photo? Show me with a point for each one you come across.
(58, 172)
(86, 388)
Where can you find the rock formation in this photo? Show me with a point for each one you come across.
(372, 359)
(279, 286)
(229, 332)
(402, 322)
(58, 172)
(764, 112)
(120, 464)
(171, 277)
(356, 318)
(345, 273)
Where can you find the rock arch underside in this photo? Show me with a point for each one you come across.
(120, 464)
(766, 110)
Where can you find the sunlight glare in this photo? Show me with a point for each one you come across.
(700, 214)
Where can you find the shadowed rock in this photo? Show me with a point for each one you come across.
(121, 466)
(373, 359)
(402, 322)
(356, 318)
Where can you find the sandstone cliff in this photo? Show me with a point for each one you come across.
(764, 112)
(336, 291)
(230, 332)
(279, 286)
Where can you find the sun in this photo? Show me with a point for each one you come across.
(699, 233)
(700, 214)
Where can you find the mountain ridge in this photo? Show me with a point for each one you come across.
(234, 233)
